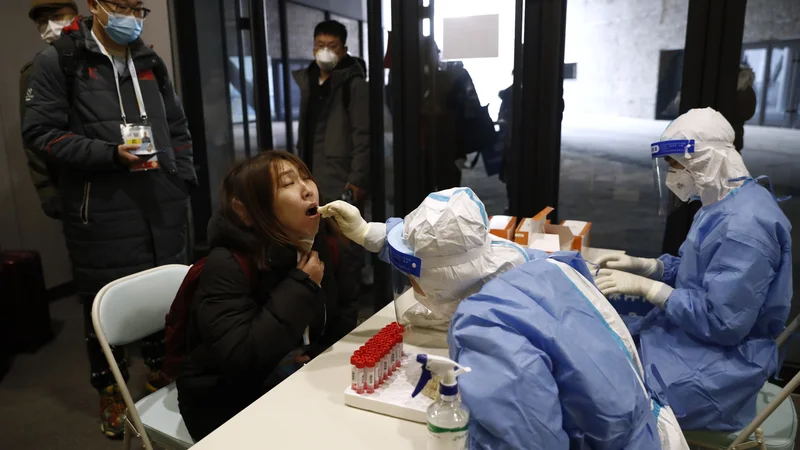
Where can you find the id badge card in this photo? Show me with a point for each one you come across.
(141, 135)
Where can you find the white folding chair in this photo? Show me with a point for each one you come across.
(775, 425)
(127, 310)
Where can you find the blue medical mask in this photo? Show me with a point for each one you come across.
(122, 29)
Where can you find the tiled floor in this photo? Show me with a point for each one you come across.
(46, 401)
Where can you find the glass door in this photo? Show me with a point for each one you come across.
(466, 61)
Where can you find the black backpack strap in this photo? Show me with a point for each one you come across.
(68, 61)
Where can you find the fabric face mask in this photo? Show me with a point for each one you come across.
(681, 183)
(326, 59)
(51, 31)
(123, 29)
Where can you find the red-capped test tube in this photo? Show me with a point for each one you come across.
(385, 352)
(396, 349)
(400, 344)
(361, 375)
(392, 356)
(370, 370)
(354, 377)
(376, 381)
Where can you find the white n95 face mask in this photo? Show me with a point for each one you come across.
(326, 59)
(51, 31)
(681, 183)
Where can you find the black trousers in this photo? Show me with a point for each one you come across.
(152, 348)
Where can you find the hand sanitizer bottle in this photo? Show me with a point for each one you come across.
(447, 417)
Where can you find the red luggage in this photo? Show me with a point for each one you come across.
(23, 302)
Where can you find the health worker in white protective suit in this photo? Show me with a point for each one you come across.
(726, 296)
(553, 365)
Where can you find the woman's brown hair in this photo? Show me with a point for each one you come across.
(249, 190)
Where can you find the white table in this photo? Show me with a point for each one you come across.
(307, 411)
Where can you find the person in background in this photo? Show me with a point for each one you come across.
(452, 121)
(333, 137)
(724, 299)
(121, 214)
(505, 121)
(553, 366)
(264, 283)
(50, 17)
(745, 105)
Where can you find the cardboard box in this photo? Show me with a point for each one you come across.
(531, 225)
(581, 232)
(537, 232)
(503, 226)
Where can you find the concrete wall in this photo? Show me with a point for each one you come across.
(617, 43)
(22, 223)
(771, 20)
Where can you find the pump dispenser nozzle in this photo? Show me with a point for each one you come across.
(445, 367)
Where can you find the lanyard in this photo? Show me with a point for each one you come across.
(137, 89)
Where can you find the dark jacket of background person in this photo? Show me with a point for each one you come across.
(241, 329)
(116, 222)
(505, 121)
(449, 116)
(339, 153)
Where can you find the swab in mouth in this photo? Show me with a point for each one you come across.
(311, 211)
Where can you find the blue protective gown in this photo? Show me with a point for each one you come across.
(547, 371)
(713, 343)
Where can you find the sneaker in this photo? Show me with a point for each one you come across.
(156, 380)
(112, 412)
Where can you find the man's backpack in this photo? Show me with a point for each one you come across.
(179, 315)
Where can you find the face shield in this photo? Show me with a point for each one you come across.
(406, 270)
(673, 185)
(428, 291)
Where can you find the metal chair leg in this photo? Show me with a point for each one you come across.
(126, 437)
(760, 439)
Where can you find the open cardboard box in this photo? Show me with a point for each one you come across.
(538, 233)
(503, 226)
(581, 232)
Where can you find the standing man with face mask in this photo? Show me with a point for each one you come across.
(91, 99)
(333, 137)
(50, 17)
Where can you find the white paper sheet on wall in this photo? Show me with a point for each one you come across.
(471, 37)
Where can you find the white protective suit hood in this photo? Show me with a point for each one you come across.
(715, 161)
(449, 234)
